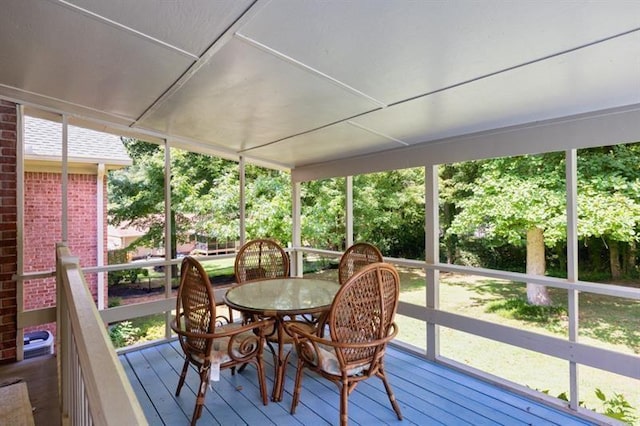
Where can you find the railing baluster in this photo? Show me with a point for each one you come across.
(94, 388)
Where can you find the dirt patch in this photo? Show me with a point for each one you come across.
(151, 289)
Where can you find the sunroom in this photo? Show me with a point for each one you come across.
(327, 91)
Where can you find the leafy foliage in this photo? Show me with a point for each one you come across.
(124, 334)
(508, 196)
(388, 209)
(323, 221)
(616, 407)
(486, 206)
(204, 197)
(489, 203)
(127, 275)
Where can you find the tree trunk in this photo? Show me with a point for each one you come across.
(630, 260)
(449, 240)
(536, 294)
(614, 260)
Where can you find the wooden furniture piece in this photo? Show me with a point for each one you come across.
(355, 258)
(210, 343)
(261, 259)
(361, 323)
(280, 299)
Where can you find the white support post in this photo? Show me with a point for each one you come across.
(167, 231)
(20, 226)
(100, 237)
(65, 179)
(432, 256)
(348, 206)
(297, 269)
(571, 170)
(243, 202)
(63, 339)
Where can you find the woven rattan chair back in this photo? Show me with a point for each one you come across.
(355, 258)
(363, 311)
(196, 300)
(209, 340)
(361, 323)
(261, 259)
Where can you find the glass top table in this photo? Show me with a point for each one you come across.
(279, 298)
(282, 296)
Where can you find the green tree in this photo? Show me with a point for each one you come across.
(388, 210)
(268, 204)
(136, 194)
(519, 200)
(609, 202)
(205, 197)
(323, 218)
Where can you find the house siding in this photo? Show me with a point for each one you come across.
(8, 231)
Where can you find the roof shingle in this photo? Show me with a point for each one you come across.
(44, 138)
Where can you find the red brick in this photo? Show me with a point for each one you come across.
(9, 117)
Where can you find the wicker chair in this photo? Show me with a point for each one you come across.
(360, 324)
(355, 258)
(209, 341)
(261, 259)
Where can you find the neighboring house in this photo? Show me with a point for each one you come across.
(122, 237)
(91, 155)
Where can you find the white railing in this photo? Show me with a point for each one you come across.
(563, 348)
(94, 389)
(572, 351)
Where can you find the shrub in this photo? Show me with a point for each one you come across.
(124, 334)
(128, 275)
(616, 407)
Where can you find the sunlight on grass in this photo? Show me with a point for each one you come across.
(610, 324)
(412, 331)
(527, 368)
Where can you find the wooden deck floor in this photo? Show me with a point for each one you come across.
(429, 394)
(41, 376)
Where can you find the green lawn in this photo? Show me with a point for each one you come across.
(605, 322)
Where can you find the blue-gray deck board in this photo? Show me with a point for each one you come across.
(428, 393)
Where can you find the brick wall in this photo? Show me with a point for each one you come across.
(8, 231)
(43, 211)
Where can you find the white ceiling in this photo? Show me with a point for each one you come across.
(290, 83)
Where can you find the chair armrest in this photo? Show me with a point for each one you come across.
(312, 347)
(301, 334)
(259, 325)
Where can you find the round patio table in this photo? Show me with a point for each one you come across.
(279, 298)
